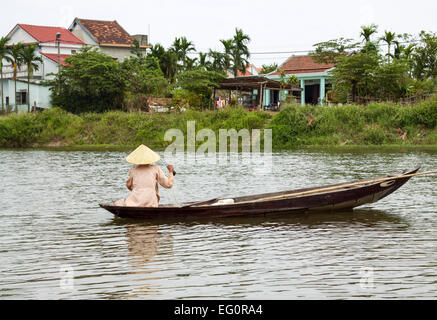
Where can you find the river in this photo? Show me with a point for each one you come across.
(56, 243)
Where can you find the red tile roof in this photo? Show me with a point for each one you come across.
(54, 57)
(247, 72)
(48, 34)
(302, 64)
(107, 32)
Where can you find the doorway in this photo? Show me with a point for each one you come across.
(312, 93)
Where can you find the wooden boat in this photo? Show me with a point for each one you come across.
(329, 198)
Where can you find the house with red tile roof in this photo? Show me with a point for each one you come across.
(108, 36)
(44, 38)
(314, 78)
(46, 45)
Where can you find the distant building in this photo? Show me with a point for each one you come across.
(314, 77)
(44, 39)
(108, 36)
(251, 70)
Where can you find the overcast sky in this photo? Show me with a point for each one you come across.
(273, 25)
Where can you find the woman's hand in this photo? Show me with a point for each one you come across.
(170, 168)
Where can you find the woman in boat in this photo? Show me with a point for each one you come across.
(143, 179)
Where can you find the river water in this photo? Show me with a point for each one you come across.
(56, 243)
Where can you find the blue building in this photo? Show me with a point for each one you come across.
(314, 79)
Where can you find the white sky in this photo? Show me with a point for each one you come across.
(274, 25)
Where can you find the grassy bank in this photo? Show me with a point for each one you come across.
(376, 124)
(57, 128)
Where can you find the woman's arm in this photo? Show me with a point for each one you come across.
(163, 180)
(130, 181)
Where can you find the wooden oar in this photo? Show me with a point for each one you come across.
(199, 203)
(303, 193)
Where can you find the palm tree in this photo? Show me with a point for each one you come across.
(408, 51)
(227, 56)
(366, 33)
(240, 51)
(204, 64)
(157, 51)
(169, 65)
(4, 55)
(16, 55)
(217, 60)
(167, 60)
(181, 46)
(30, 59)
(190, 63)
(389, 38)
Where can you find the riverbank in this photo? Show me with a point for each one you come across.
(348, 126)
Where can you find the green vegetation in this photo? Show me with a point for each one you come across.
(91, 81)
(58, 128)
(4, 56)
(294, 127)
(365, 72)
(267, 68)
(374, 124)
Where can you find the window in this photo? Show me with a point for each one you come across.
(21, 97)
(73, 51)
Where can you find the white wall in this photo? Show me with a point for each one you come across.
(82, 35)
(52, 48)
(38, 93)
(19, 35)
(116, 52)
(49, 67)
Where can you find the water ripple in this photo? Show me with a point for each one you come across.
(57, 244)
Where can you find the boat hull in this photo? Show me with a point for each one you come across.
(342, 199)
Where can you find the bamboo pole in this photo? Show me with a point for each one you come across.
(303, 193)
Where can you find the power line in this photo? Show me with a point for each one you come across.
(310, 50)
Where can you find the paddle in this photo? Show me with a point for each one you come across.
(199, 203)
(340, 187)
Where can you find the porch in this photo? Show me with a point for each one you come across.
(256, 92)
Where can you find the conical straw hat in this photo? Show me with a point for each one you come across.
(143, 155)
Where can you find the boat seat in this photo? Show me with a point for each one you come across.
(223, 202)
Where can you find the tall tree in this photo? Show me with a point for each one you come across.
(425, 57)
(17, 57)
(227, 56)
(167, 61)
(353, 74)
(333, 50)
(169, 65)
(182, 47)
(389, 38)
(203, 61)
(366, 33)
(4, 56)
(89, 82)
(217, 61)
(240, 52)
(157, 51)
(30, 59)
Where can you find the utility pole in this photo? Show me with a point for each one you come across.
(58, 42)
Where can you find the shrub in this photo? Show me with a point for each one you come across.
(373, 135)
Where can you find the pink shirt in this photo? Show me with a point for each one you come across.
(143, 182)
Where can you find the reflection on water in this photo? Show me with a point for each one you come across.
(50, 222)
(142, 244)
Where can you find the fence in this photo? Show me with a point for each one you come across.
(8, 109)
